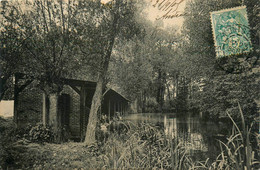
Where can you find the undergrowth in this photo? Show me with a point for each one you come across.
(143, 146)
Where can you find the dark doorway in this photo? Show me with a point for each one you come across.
(64, 107)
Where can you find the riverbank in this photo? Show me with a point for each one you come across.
(139, 146)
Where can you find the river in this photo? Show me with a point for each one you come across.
(199, 136)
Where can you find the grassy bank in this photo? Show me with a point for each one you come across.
(139, 146)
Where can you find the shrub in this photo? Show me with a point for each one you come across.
(40, 134)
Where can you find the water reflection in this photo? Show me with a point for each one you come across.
(196, 135)
(186, 132)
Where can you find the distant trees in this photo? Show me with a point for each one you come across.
(145, 67)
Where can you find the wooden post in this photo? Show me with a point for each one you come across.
(123, 108)
(82, 112)
(18, 90)
(100, 112)
(109, 110)
(118, 108)
(114, 108)
(44, 117)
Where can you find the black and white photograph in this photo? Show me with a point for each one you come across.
(130, 84)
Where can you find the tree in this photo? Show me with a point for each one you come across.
(131, 71)
(40, 39)
(116, 20)
(144, 66)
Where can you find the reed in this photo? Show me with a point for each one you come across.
(237, 152)
(144, 146)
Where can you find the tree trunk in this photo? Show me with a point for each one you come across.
(97, 98)
(96, 103)
(158, 97)
(168, 91)
(143, 94)
(45, 109)
(163, 84)
(3, 86)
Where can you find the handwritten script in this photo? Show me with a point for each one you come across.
(170, 8)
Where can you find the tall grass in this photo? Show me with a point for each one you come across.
(143, 146)
(237, 152)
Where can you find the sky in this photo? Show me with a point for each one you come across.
(154, 12)
(157, 8)
(6, 108)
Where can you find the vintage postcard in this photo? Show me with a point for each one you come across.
(129, 84)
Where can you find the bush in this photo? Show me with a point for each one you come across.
(40, 134)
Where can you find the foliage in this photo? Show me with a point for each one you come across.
(9, 135)
(130, 70)
(172, 67)
(42, 41)
(143, 146)
(151, 105)
(40, 134)
(170, 106)
(144, 67)
(222, 93)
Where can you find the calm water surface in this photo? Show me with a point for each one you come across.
(200, 137)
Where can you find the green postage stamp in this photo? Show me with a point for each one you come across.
(231, 31)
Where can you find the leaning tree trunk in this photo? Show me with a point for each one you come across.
(96, 102)
(97, 98)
